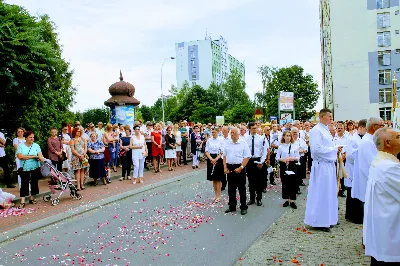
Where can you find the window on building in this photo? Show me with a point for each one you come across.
(397, 51)
(384, 39)
(382, 4)
(384, 76)
(385, 113)
(396, 12)
(384, 58)
(383, 20)
(397, 31)
(385, 95)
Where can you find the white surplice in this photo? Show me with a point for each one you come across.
(365, 155)
(322, 202)
(381, 231)
(351, 152)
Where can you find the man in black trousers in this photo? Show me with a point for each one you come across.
(259, 152)
(236, 156)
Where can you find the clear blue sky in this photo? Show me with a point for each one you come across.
(100, 37)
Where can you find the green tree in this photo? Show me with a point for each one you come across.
(36, 81)
(147, 114)
(291, 79)
(96, 115)
(234, 90)
(242, 113)
(203, 113)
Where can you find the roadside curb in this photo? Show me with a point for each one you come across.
(28, 228)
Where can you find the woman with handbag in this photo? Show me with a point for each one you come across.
(29, 153)
(125, 153)
(170, 145)
(79, 161)
(55, 149)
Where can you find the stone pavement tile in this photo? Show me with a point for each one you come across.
(91, 194)
(289, 242)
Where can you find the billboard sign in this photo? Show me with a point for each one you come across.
(124, 115)
(286, 101)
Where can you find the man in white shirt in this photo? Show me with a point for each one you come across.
(365, 155)
(306, 137)
(381, 230)
(100, 130)
(236, 156)
(259, 152)
(322, 201)
(276, 137)
(301, 145)
(224, 138)
(243, 134)
(3, 162)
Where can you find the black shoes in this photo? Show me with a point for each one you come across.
(302, 184)
(10, 186)
(293, 205)
(229, 210)
(264, 190)
(242, 212)
(323, 229)
(273, 183)
(286, 204)
(259, 203)
(299, 192)
(251, 202)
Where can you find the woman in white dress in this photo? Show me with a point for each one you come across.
(16, 141)
(178, 143)
(139, 153)
(66, 138)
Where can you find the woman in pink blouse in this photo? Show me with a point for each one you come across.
(55, 149)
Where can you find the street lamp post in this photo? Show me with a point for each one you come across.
(162, 93)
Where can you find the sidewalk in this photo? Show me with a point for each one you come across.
(43, 210)
(289, 242)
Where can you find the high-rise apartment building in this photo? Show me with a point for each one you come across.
(360, 45)
(205, 61)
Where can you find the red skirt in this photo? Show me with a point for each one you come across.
(107, 155)
(155, 151)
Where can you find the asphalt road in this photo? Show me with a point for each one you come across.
(175, 224)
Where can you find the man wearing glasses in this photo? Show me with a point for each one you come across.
(366, 153)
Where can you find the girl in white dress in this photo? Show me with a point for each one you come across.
(139, 153)
(16, 141)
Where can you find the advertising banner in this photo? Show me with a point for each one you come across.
(124, 115)
(286, 101)
(220, 120)
(396, 119)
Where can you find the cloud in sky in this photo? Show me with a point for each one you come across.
(100, 37)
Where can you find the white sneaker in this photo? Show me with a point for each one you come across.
(121, 178)
(129, 178)
(134, 181)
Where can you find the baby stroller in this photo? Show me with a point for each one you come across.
(60, 182)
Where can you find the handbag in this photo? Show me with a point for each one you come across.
(21, 169)
(63, 155)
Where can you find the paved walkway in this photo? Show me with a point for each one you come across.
(289, 242)
(43, 210)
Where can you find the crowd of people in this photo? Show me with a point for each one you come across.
(338, 156)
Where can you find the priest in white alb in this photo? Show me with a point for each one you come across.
(365, 154)
(322, 202)
(381, 230)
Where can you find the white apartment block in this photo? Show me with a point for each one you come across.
(360, 46)
(205, 61)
